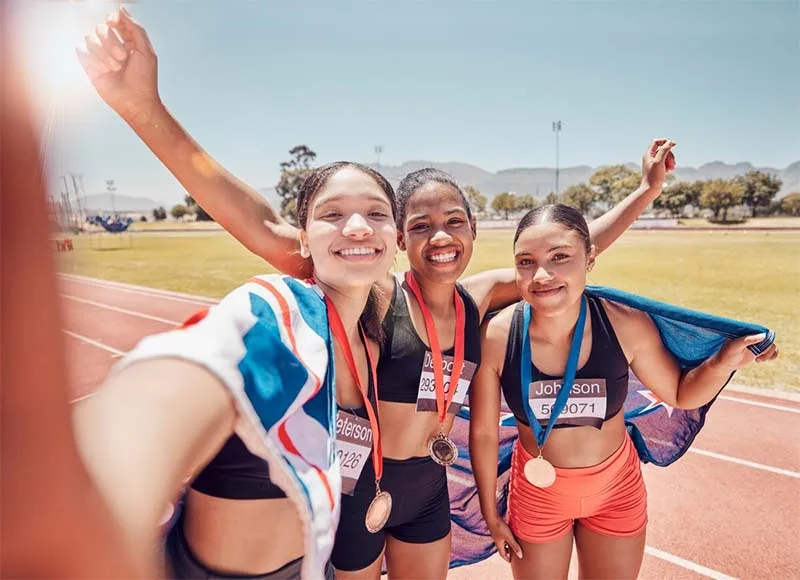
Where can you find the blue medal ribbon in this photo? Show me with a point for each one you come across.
(569, 373)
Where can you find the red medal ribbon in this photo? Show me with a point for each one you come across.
(442, 401)
(340, 336)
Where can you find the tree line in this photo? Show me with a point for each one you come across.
(752, 194)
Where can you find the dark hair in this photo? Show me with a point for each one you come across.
(416, 179)
(558, 213)
(316, 180)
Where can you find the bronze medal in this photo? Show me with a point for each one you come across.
(540, 472)
(378, 512)
(442, 450)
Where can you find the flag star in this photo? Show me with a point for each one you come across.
(655, 402)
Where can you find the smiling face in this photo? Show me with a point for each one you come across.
(349, 230)
(551, 263)
(438, 233)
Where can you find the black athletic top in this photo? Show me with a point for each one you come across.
(403, 352)
(606, 361)
(235, 473)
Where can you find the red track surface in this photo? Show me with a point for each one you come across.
(710, 515)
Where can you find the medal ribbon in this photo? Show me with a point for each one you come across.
(340, 336)
(569, 373)
(442, 401)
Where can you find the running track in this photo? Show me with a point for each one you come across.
(729, 508)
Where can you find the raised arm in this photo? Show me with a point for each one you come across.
(657, 161)
(122, 65)
(657, 368)
(484, 437)
(496, 289)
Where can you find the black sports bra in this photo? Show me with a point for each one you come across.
(235, 473)
(606, 361)
(403, 351)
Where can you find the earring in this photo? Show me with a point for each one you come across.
(304, 253)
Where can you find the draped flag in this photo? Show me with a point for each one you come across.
(269, 343)
(661, 434)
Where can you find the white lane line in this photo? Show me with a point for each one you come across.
(121, 310)
(766, 393)
(141, 290)
(688, 564)
(88, 340)
(759, 404)
(745, 462)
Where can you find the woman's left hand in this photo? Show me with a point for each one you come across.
(735, 354)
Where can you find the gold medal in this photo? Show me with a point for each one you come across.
(378, 512)
(442, 450)
(540, 472)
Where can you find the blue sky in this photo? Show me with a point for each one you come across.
(476, 82)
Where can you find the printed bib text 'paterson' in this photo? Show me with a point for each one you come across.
(353, 446)
(586, 404)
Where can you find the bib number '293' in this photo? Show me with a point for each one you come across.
(426, 394)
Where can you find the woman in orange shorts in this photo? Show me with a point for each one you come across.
(575, 474)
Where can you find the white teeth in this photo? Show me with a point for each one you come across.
(444, 258)
(358, 251)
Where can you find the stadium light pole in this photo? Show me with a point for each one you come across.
(378, 151)
(557, 130)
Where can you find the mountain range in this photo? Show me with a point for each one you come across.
(535, 181)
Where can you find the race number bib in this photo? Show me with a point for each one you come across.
(586, 404)
(353, 446)
(426, 394)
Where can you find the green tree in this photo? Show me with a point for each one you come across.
(505, 203)
(477, 201)
(293, 174)
(791, 204)
(526, 202)
(552, 198)
(759, 189)
(178, 211)
(613, 183)
(580, 196)
(719, 195)
(677, 196)
(199, 213)
(159, 214)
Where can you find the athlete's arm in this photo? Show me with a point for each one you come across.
(122, 65)
(496, 289)
(658, 369)
(145, 432)
(657, 161)
(484, 424)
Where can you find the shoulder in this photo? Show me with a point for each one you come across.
(495, 332)
(633, 327)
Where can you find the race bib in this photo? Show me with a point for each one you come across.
(353, 446)
(426, 393)
(586, 404)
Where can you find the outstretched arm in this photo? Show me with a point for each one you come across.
(122, 65)
(658, 369)
(146, 431)
(495, 289)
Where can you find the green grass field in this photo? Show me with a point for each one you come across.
(749, 276)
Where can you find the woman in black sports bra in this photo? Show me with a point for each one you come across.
(561, 358)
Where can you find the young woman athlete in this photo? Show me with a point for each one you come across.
(580, 481)
(429, 321)
(254, 373)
